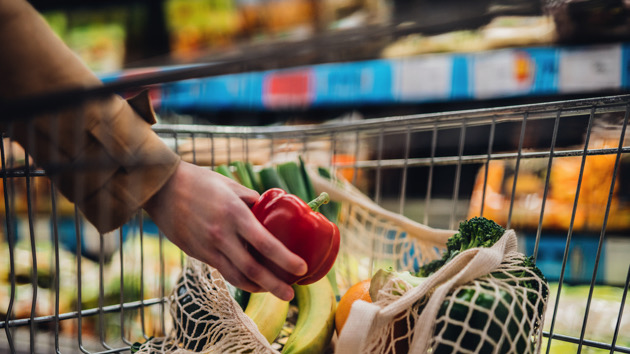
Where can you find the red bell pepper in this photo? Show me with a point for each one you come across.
(301, 229)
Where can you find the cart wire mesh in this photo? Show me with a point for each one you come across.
(555, 172)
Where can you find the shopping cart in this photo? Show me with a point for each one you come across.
(505, 163)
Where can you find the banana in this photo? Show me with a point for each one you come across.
(316, 318)
(268, 313)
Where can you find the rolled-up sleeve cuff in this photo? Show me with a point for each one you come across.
(130, 187)
(145, 163)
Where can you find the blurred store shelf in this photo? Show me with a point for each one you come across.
(426, 78)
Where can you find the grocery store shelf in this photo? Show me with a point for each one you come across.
(231, 84)
(505, 73)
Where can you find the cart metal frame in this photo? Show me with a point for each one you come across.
(400, 149)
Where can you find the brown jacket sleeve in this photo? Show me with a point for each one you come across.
(102, 155)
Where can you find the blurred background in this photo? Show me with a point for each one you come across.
(112, 35)
(568, 48)
(309, 61)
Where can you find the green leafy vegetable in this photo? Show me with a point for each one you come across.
(495, 312)
(292, 176)
(332, 209)
(242, 174)
(270, 178)
(225, 170)
(473, 233)
(255, 177)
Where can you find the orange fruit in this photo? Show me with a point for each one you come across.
(358, 291)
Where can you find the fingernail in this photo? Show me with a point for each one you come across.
(302, 269)
(287, 295)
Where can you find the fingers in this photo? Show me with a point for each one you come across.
(215, 230)
(246, 271)
(249, 196)
(250, 199)
(240, 269)
(261, 239)
(234, 276)
(237, 263)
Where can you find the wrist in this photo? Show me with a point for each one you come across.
(161, 196)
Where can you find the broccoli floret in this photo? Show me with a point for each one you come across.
(429, 268)
(453, 243)
(476, 232)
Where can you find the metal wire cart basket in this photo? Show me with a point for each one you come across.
(557, 173)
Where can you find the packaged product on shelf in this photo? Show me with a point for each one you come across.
(290, 18)
(341, 14)
(455, 41)
(252, 17)
(101, 46)
(195, 25)
(98, 37)
(518, 31)
(564, 178)
(501, 32)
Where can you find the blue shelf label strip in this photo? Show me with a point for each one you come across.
(352, 83)
(426, 78)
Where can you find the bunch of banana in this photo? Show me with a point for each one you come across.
(316, 318)
(315, 322)
(268, 313)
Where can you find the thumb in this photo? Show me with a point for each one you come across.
(249, 196)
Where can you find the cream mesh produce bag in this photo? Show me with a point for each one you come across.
(373, 237)
(483, 301)
(206, 318)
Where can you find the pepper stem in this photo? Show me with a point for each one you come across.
(319, 201)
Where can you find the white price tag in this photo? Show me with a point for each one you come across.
(423, 78)
(502, 73)
(589, 69)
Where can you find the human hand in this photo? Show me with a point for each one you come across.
(208, 216)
